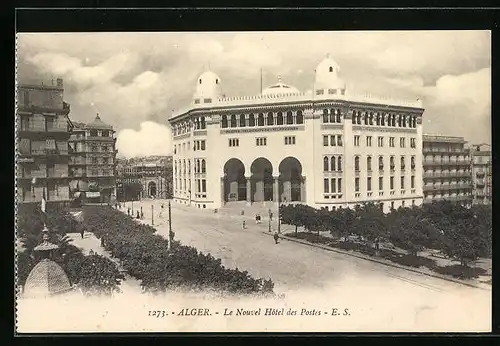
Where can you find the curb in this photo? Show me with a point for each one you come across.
(324, 247)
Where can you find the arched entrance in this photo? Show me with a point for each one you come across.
(291, 180)
(152, 189)
(235, 188)
(262, 180)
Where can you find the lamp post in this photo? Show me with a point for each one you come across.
(152, 215)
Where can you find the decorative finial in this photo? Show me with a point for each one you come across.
(279, 79)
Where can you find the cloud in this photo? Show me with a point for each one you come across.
(460, 105)
(151, 139)
(132, 78)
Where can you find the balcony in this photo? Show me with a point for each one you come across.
(100, 138)
(48, 152)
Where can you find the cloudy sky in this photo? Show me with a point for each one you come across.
(134, 80)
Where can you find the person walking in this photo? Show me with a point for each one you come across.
(244, 224)
(128, 211)
(138, 215)
(82, 232)
(276, 238)
(256, 218)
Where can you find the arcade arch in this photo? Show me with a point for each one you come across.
(291, 181)
(234, 181)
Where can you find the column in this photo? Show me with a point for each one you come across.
(287, 190)
(259, 190)
(222, 192)
(276, 190)
(303, 189)
(249, 190)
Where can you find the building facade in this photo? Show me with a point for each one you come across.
(447, 169)
(93, 161)
(43, 129)
(153, 174)
(481, 173)
(327, 148)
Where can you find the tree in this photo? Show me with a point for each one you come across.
(369, 222)
(411, 233)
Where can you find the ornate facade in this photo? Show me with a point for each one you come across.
(326, 148)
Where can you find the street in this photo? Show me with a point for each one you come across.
(307, 272)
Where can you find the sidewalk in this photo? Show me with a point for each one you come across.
(386, 262)
(90, 242)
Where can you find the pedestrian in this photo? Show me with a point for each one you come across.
(138, 216)
(82, 232)
(276, 238)
(244, 225)
(271, 216)
(128, 211)
(142, 215)
(257, 218)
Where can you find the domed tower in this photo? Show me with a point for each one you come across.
(47, 278)
(327, 82)
(280, 89)
(208, 88)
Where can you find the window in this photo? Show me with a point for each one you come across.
(203, 166)
(333, 185)
(261, 141)
(234, 142)
(369, 183)
(330, 69)
(207, 100)
(339, 185)
(299, 119)
(392, 205)
(380, 142)
(356, 141)
(402, 183)
(26, 97)
(326, 186)
(403, 204)
(325, 141)
(224, 121)
(202, 145)
(402, 142)
(339, 140)
(391, 142)
(403, 163)
(332, 163)
(319, 92)
(251, 120)
(392, 164)
(217, 81)
(412, 181)
(279, 118)
(203, 185)
(339, 164)
(325, 115)
(289, 140)
(270, 119)
(242, 120)
(368, 141)
(356, 184)
(332, 141)
(413, 143)
(380, 163)
(289, 118)
(325, 164)
(413, 162)
(356, 163)
(391, 183)
(260, 120)
(369, 163)
(380, 183)
(200, 81)
(413, 202)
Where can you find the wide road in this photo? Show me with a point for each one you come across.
(307, 273)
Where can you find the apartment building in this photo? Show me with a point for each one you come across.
(43, 129)
(446, 169)
(481, 161)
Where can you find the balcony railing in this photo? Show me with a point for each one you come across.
(46, 151)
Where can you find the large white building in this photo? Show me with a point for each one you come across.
(326, 148)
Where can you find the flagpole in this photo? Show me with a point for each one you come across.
(261, 80)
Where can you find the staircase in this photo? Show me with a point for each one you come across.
(261, 208)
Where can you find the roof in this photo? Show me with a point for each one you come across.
(280, 89)
(45, 279)
(98, 124)
(79, 125)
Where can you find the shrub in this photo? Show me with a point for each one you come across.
(146, 257)
(98, 275)
(460, 271)
(24, 265)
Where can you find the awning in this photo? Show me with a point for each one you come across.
(92, 194)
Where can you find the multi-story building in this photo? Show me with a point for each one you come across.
(153, 173)
(328, 148)
(43, 128)
(447, 173)
(481, 173)
(93, 160)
